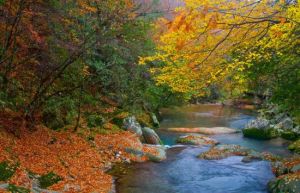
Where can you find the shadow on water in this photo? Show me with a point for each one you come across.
(183, 172)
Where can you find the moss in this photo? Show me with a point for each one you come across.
(49, 179)
(17, 189)
(184, 141)
(144, 119)
(95, 121)
(259, 133)
(295, 146)
(119, 118)
(6, 171)
(289, 135)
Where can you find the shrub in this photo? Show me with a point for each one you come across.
(48, 180)
(6, 171)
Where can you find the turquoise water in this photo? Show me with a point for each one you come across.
(183, 172)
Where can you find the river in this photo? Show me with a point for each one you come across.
(183, 172)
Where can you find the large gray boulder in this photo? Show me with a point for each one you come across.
(285, 124)
(132, 125)
(258, 123)
(150, 136)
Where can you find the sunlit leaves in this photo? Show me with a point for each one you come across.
(201, 37)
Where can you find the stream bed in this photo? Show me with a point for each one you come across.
(183, 172)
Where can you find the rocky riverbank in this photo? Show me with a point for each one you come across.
(286, 170)
(272, 123)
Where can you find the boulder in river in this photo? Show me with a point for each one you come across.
(260, 133)
(196, 140)
(132, 125)
(224, 151)
(150, 136)
(259, 123)
(155, 153)
(204, 130)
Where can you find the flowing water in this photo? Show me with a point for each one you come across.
(183, 172)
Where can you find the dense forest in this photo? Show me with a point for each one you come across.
(82, 66)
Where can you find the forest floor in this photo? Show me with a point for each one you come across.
(78, 158)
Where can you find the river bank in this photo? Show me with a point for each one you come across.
(184, 172)
(66, 161)
(51, 161)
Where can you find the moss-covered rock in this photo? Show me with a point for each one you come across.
(150, 136)
(17, 189)
(48, 180)
(289, 135)
(260, 133)
(144, 119)
(295, 146)
(119, 119)
(289, 183)
(6, 171)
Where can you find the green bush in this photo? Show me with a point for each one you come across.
(49, 179)
(6, 171)
(95, 121)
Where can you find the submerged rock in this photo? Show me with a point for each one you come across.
(205, 130)
(132, 125)
(196, 140)
(150, 136)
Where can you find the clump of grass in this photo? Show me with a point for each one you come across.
(6, 171)
(48, 180)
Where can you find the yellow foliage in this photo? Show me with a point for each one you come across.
(195, 45)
